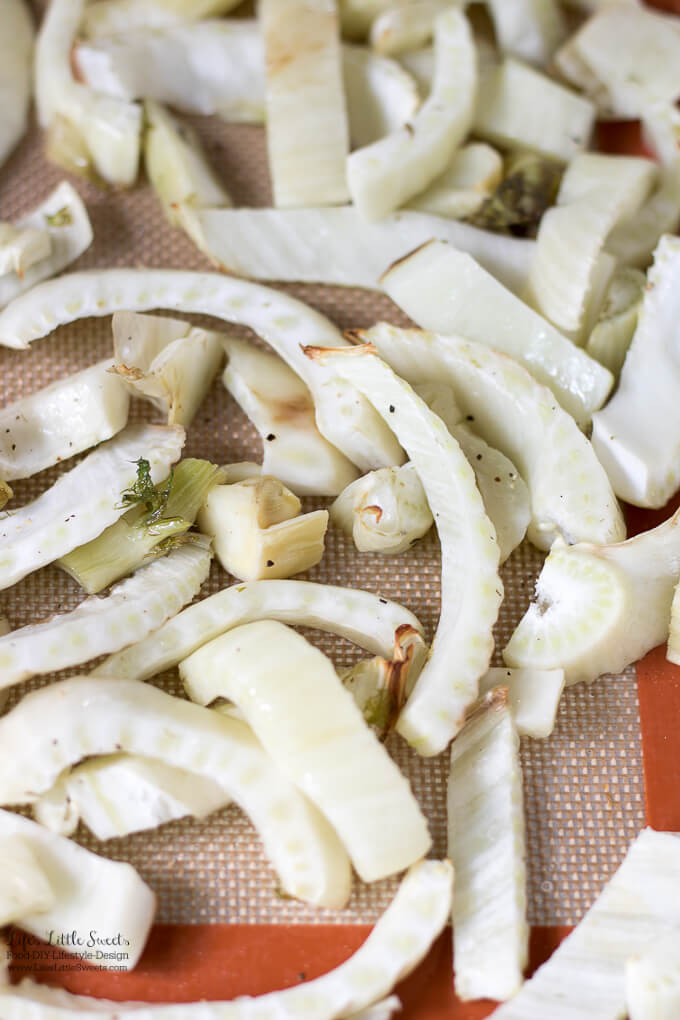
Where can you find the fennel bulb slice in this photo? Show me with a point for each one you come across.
(344, 418)
(521, 418)
(64, 217)
(87, 891)
(292, 698)
(360, 616)
(533, 696)
(405, 27)
(16, 52)
(383, 176)
(61, 420)
(306, 113)
(340, 246)
(83, 501)
(22, 247)
(385, 511)
(461, 189)
(282, 410)
(381, 95)
(586, 975)
(471, 590)
(673, 649)
(528, 29)
(633, 240)
(397, 944)
(445, 290)
(643, 470)
(92, 716)
(24, 887)
(487, 846)
(613, 332)
(110, 17)
(97, 626)
(653, 979)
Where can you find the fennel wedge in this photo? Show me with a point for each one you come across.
(16, 51)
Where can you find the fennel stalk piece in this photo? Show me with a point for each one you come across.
(344, 418)
(109, 17)
(533, 697)
(85, 886)
(83, 501)
(471, 588)
(366, 619)
(134, 608)
(99, 716)
(306, 122)
(16, 51)
(383, 176)
(633, 240)
(291, 696)
(516, 415)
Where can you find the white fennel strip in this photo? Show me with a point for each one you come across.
(24, 887)
(633, 240)
(515, 414)
(307, 129)
(586, 975)
(405, 27)
(110, 17)
(381, 95)
(653, 979)
(61, 420)
(533, 697)
(89, 716)
(344, 418)
(612, 334)
(16, 51)
(528, 29)
(384, 175)
(99, 626)
(446, 291)
(64, 217)
(487, 846)
(22, 247)
(397, 944)
(84, 887)
(360, 616)
(84, 501)
(470, 585)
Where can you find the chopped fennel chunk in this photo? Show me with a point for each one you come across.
(383, 176)
(653, 979)
(405, 27)
(384, 511)
(673, 650)
(83, 501)
(133, 609)
(109, 17)
(16, 52)
(290, 694)
(586, 975)
(381, 95)
(529, 29)
(633, 240)
(24, 886)
(83, 886)
(471, 588)
(22, 247)
(91, 716)
(522, 419)
(462, 188)
(444, 289)
(366, 619)
(487, 846)
(613, 332)
(533, 696)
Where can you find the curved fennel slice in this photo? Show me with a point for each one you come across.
(612, 334)
(471, 588)
(16, 50)
(473, 173)
(343, 417)
(405, 27)
(110, 17)
(340, 246)
(633, 240)
(24, 886)
(87, 890)
(381, 95)
(643, 470)
(360, 616)
(91, 716)
(653, 979)
(308, 722)
(397, 944)
(97, 626)
(445, 290)
(61, 420)
(569, 489)
(487, 846)
(83, 501)
(533, 697)
(383, 176)
(64, 217)
(384, 511)
(22, 247)
(586, 975)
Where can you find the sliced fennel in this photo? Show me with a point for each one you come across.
(673, 649)
(446, 290)
(345, 419)
(86, 890)
(24, 886)
(99, 716)
(306, 113)
(83, 501)
(405, 27)
(61, 420)
(633, 240)
(383, 176)
(381, 95)
(586, 975)
(109, 17)
(385, 511)
(134, 608)
(569, 489)
(21, 247)
(158, 520)
(281, 407)
(16, 51)
(366, 619)
(653, 979)
(290, 694)
(533, 696)
(487, 846)
(166, 360)
(528, 29)
(64, 217)
(471, 588)
(643, 470)
(471, 176)
(613, 333)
